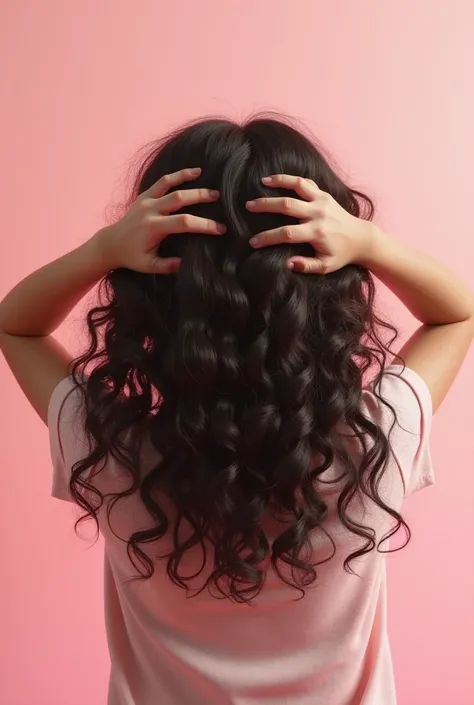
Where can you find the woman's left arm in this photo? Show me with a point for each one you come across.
(33, 310)
(36, 307)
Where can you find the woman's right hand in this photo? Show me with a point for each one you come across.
(338, 238)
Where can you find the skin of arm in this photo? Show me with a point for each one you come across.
(33, 310)
(438, 297)
(435, 295)
(432, 292)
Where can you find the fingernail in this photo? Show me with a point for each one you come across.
(251, 204)
(221, 228)
(267, 179)
(253, 241)
(291, 265)
(196, 171)
(214, 194)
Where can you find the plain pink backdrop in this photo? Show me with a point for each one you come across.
(387, 86)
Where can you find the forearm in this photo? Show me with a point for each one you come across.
(38, 304)
(432, 292)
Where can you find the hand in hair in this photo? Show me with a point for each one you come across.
(133, 241)
(337, 237)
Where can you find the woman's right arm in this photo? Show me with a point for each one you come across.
(434, 294)
(437, 297)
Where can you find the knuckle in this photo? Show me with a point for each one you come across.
(287, 205)
(179, 197)
(145, 205)
(186, 220)
(323, 267)
(288, 233)
(300, 181)
(324, 198)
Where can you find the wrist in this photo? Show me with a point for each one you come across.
(100, 245)
(370, 245)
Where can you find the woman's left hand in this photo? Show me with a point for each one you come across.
(133, 241)
(337, 237)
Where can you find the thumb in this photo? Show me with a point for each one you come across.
(309, 265)
(165, 265)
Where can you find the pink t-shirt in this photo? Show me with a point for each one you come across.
(329, 648)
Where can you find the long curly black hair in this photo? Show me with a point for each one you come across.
(241, 371)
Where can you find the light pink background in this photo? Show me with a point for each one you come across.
(387, 85)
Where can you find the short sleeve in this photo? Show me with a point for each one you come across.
(67, 438)
(409, 437)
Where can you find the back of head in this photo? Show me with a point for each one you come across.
(242, 370)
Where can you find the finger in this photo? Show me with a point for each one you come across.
(288, 234)
(285, 206)
(306, 188)
(190, 197)
(169, 181)
(307, 265)
(165, 265)
(186, 223)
